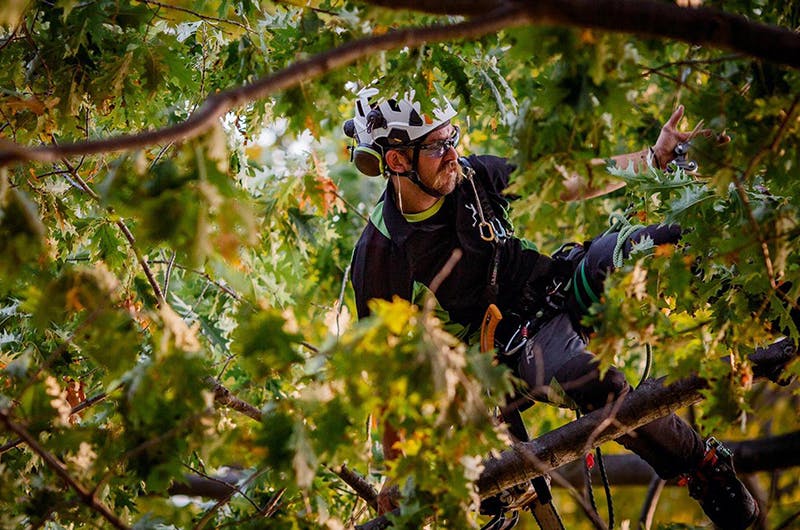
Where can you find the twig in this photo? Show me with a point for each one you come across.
(208, 18)
(222, 502)
(146, 445)
(206, 276)
(788, 523)
(87, 496)
(168, 273)
(76, 409)
(740, 191)
(650, 503)
(224, 396)
(340, 300)
(125, 231)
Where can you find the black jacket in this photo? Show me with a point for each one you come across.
(394, 256)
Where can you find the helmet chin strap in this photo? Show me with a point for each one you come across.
(413, 176)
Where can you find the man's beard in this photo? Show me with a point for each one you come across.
(445, 181)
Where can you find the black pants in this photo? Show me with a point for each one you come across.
(558, 368)
(556, 365)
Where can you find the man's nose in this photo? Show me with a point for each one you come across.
(450, 153)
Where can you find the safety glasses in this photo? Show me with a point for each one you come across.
(439, 148)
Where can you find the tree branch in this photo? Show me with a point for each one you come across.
(223, 396)
(527, 460)
(645, 17)
(650, 18)
(76, 409)
(217, 105)
(359, 484)
(58, 468)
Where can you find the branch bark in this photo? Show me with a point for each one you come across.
(223, 396)
(217, 105)
(527, 460)
(749, 456)
(644, 17)
(649, 18)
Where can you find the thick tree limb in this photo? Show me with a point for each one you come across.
(526, 460)
(750, 456)
(651, 18)
(643, 17)
(217, 105)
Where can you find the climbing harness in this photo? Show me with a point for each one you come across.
(491, 228)
(540, 500)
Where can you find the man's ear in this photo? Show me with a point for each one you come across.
(397, 161)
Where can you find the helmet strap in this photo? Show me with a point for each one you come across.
(413, 176)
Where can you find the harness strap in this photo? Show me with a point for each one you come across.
(491, 228)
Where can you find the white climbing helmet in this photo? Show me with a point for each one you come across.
(390, 123)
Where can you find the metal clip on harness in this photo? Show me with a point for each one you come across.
(680, 160)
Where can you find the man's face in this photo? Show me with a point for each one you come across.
(438, 166)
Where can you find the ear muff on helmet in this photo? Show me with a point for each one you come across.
(368, 157)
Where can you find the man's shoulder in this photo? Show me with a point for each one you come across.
(490, 163)
(494, 171)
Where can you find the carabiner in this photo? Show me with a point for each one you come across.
(486, 231)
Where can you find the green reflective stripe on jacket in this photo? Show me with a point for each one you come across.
(376, 218)
(459, 331)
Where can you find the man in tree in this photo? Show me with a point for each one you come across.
(436, 205)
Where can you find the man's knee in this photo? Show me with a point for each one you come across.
(580, 379)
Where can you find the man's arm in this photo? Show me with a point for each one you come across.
(658, 155)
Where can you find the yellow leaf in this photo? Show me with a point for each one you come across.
(395, 314)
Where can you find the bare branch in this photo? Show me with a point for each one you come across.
(219, 104)
(171, 264)
(651, 18)
(222, 502)
(645, 17)
(223, 396)
(526, 460)
(140, 258)
(359, 484)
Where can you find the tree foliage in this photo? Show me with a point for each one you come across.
(133, 275)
